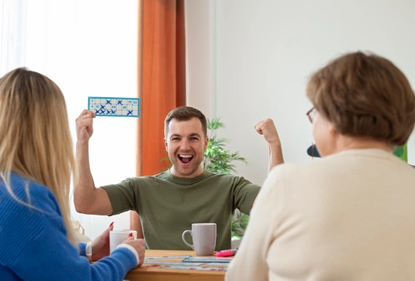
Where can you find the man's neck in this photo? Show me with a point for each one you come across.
(196, 173)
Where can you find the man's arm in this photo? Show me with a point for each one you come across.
(269, 131)
(87, 198)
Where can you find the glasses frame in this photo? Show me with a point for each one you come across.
(309, 115)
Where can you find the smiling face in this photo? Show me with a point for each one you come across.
(185, 144)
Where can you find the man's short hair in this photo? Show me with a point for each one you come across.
(185, 113)
(364, 95)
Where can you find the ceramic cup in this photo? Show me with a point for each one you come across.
(118, 236)
(204, 238)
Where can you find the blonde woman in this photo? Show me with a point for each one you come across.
(36, 161)
(350, 215)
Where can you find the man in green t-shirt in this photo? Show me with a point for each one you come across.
(169, 202)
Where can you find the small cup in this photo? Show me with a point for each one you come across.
(204, 238)
(118, 236)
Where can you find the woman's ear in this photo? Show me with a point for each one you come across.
(332, 130)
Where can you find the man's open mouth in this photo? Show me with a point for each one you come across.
(185, 158)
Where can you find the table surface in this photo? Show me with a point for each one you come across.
(166, 265)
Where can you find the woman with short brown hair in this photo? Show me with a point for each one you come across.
(350, 215)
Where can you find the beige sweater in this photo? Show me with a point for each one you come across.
(349, 216)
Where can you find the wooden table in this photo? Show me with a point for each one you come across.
(153, 272)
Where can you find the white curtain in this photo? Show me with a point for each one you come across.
(89, 48)
(12, 34)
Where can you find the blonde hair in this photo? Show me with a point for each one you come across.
(365, 95)
(35, 140)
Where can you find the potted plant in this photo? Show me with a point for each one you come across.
(218, 160)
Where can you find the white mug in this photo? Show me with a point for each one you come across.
(118, 236)
(204, 238)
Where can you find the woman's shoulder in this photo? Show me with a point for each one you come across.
(23, 184)
(27, 193)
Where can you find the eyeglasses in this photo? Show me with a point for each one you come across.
(311, 114)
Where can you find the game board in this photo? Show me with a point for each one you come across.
(180, 262)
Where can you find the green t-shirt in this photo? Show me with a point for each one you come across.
(168, 205)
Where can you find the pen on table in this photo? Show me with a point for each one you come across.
(226, 253)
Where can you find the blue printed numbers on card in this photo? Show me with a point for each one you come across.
(115, 107)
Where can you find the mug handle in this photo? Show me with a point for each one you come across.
(184, 239)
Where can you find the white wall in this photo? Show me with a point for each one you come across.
(247, 60)
(89, 48)
(265, 50)
(200, 55)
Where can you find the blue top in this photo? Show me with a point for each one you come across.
(33, 243)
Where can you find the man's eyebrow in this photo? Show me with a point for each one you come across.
(195, 135)
(191, 135)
